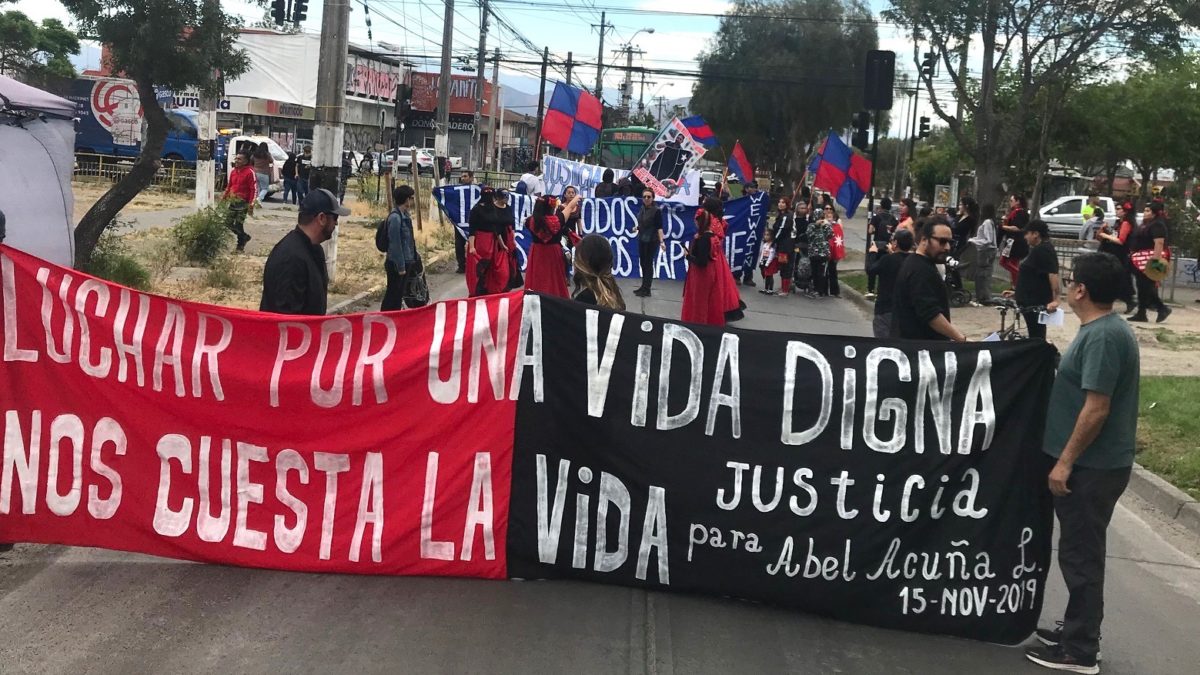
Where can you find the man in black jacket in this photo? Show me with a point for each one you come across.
(921, 306)
(879, 233)
(886, 267)
(294, 279)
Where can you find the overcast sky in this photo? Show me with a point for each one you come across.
(415, 27)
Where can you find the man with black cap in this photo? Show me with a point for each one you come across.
(294, 279)
(750, 190)
(879, 235)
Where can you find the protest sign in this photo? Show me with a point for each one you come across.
(668, 159)
(558, 173)
(900, 485)
(893, 484)
(616, 218)
(335, 444)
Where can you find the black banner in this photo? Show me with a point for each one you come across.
(894, 484)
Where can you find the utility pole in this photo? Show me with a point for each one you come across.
(642, 95)
(329, 132)
(604, 26)
(660, 100)
(476, 151)
(537, 151)
(441, 138)
(570, 66)
(493, 123)
(206, 123)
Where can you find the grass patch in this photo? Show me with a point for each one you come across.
(1169, 339)
(113, 261)
(855, 280)
(223, 273)
(1168, 429)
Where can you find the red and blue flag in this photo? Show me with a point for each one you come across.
(572, 120)
(739, 165)
(841, 172)
(700, 131)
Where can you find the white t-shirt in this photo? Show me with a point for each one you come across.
(534, 185)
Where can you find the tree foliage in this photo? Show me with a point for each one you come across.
(31, 51)
(178, 44)
(781, 73)
(1044, 44)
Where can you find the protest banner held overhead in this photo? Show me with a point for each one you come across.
(616, 217)
(891, 484)
(559, 173)
(672, 154)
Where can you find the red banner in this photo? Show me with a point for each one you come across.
(337, 444)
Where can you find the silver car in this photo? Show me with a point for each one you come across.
(1064, 216)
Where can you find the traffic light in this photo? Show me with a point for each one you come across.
(279, 11)
(927, 64)
(860, 138)
(403, 102)
(923, 131)
(300, 11)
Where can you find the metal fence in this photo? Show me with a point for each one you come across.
(172, 175)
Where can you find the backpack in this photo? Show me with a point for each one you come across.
(381, 234)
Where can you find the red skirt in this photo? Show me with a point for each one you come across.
(492, 277)
(702, 301)
(546, 271)
(731, 300)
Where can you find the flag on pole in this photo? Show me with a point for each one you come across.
(841, 172)
(739, 165)
(572, 119)
(700, 131)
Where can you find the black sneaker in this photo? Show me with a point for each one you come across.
(1057, 659)
(1163, 314)
(1052, 637)
(641, 292)
(1140, 317)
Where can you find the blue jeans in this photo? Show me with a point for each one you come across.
(264, 182)
(302, 187)
(291, 190)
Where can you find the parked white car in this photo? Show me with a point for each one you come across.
(424, 161)
(1064, 216)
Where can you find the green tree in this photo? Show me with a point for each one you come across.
(1042, 44)
(780, 73)
(31, 51)
(935, 160)
(1158, 117)
(179, 44)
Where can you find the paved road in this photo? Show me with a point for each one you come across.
(71, 610)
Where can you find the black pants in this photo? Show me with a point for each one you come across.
(871, 258)
(460, 250)
(237, 221)
(820, 274)
(647, 255)
(831, 273)
(1147, 294)
(397, 285)
(1036, 330)
(1083, 518)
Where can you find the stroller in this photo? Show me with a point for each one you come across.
(959, 265)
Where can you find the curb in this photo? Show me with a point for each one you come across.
(1175, 503)
(857, 298)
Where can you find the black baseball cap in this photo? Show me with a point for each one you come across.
(321, 200)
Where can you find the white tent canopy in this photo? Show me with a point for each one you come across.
(37, 156)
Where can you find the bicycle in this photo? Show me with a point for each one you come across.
(1013, 331)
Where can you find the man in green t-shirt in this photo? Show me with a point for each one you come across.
(1089, 207)
(1091, 427)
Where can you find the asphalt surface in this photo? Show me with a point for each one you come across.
(73, 610)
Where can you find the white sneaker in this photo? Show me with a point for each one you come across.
(869, 296)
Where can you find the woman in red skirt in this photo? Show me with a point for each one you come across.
(731, 299)
(702, 301)
(546, 272)
(490, 244)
